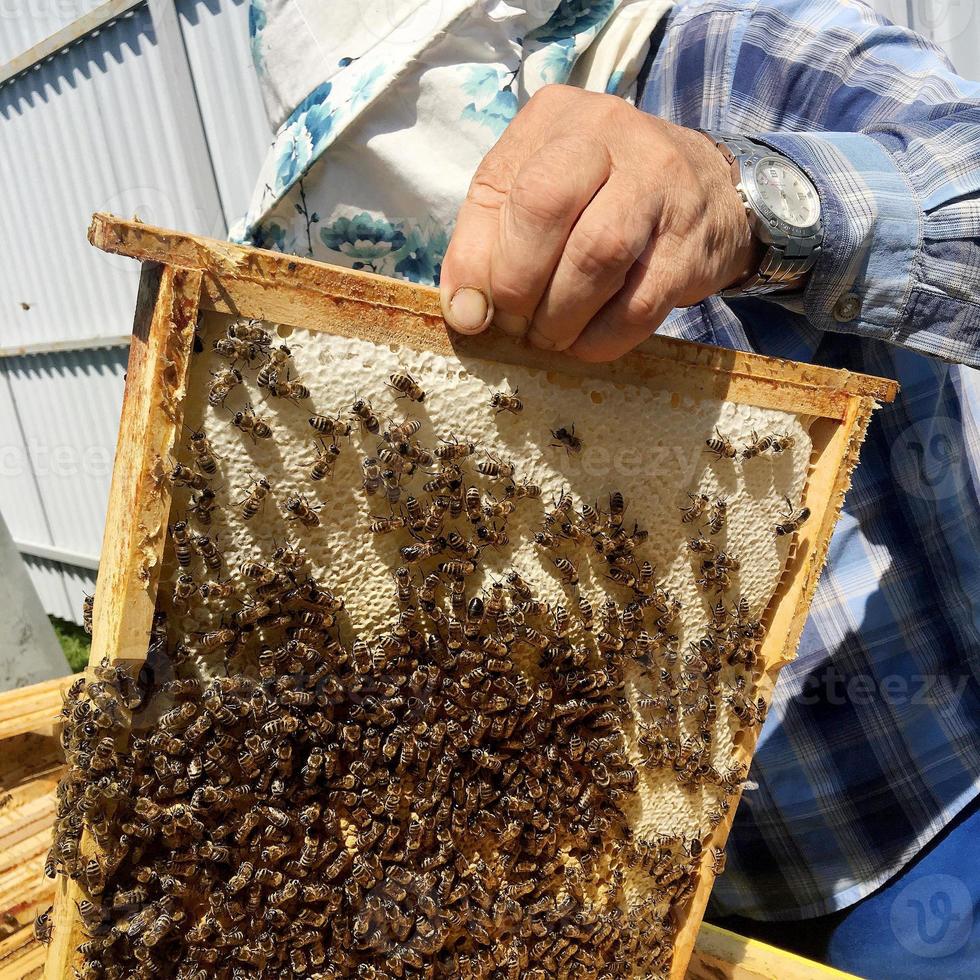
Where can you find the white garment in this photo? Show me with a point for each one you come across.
(385, 108)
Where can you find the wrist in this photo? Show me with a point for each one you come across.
(782, 208)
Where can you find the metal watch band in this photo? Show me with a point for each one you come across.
(787, 258)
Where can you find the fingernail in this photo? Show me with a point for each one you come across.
(468, 310)
(510, 323)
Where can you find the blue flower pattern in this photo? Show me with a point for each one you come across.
(572, 18)
(494, 103)
(393, 248)
(257, 22)
(420, 258)
(406, 248)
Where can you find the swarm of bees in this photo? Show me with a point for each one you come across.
(415, 802)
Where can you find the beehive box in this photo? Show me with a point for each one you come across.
(30, 766)
(458, 685)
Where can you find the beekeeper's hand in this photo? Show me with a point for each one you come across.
(588, 222)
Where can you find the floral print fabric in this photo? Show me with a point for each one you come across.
(394, 104)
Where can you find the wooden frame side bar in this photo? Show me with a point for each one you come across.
(139, 507)
(836, 448)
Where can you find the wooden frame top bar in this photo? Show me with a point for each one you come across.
(289, 289)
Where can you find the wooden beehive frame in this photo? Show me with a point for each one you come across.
(184, 275)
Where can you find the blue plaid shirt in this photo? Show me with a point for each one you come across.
(873, 742)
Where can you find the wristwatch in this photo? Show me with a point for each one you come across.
(784, 214)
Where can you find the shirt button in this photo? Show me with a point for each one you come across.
(847, 308)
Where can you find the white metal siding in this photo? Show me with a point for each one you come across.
(19, 497)
(89, 130)
(98, 127)
(69, 405)
(953, 24)
(238, 131)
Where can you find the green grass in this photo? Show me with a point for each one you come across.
(74, 641)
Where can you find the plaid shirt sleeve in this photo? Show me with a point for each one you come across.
(890, 135)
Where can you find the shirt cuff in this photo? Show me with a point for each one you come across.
(863, 279)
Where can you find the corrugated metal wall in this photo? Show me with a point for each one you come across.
(101, 126)
(157, 113)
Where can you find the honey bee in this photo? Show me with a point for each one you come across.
(362, 410)
(298, 509)
(291, 389)
(328, 426)
(621, 576)
(795, 519)
(498, 508)
(565, 438)
(201, 505)
(461, 545)
(506, 403)
(217, 590)
(384, 525)
(326, 458)
(425, 549)
(372, 475)
(720, 446)
(88, 608)
(277, 359)
(255, 498)
(492, 536)
(222, 384)
(518, 491)
(757, 446)
(251, 614)
(697, 507)
(251, 423)
(719, 513)
(184, 476)
(403, 432)
(780, 443)
(700, 545)
(236, 349)
(184, 589)
(392, 486)
(454, 450)
(496, 468)
(203, 453)
(407, 387)
(208, 551)
(251, 331)
(567, 568)
(545, 540)
(43, 926)
(396, 462)
(257, 571)
(182, 543)
(457, 569)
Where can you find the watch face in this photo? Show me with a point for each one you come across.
(787, 192)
